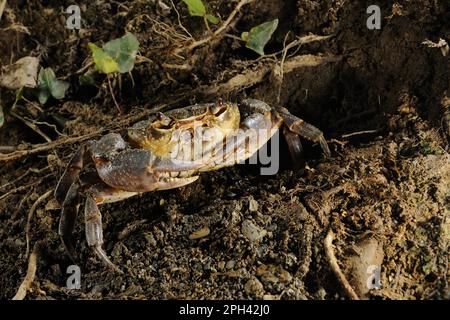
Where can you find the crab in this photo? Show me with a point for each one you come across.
(166, 151)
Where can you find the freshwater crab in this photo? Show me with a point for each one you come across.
(159, 155)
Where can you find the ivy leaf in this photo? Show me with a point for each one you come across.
(123, 51)
(103, 62)
(196, 8)
(48, 86)
(259, 36)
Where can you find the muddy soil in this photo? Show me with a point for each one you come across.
(382, 102)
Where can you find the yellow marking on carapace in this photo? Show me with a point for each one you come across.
(163, 141)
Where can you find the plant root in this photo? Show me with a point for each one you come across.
(328, 244)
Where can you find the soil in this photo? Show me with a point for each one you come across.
(383, 105)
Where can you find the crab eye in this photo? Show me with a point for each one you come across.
(162, 120)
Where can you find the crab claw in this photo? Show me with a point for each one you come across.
(140, 170)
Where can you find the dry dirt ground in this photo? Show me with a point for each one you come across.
(381, 97)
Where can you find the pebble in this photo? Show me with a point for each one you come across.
(230, 264)
(272, 274)
(254, 287)
(251, 231)
(200, 233)
(221, 265)
(253, 205)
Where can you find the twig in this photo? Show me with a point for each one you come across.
(131, 228)
(216, 33)
(73, 139)
(84, 68)
(47, 146)
(31, 125)
(207, 24)
(250, 77)
(341, 143)
(232, 36)
(19, 207)
(283, 59)
(358, 133)
(33, 170)
(53, 126)
(328, 243)
(30, 216)
(297, 43)
(25, 187)
(227, 22)
(179, 20)
(7, 149)
(31, 273)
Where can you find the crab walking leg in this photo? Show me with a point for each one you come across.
(94, 231)
(69, 212)
(294, 145)
(102, 193)
(70, 175)
(67, 195)
(93, 219)
(304, 129)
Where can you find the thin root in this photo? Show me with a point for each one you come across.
(30, 216)
(119, 109)
(31, 273)
(73, 139)
(328, 243)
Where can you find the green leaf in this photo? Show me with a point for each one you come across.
(212, 19)
(258, 36)
(43, 95)
(196, 8)
(49, 85)
(103, 62)
(86, 80)
(123, 51)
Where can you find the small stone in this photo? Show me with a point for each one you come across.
(52, 204)
(253, 205)
(254, 287)
(150, 239)
(201, 233)
(98, 289)
(221, 265)
(230, 264)
(272, 274)
(19, 243)
(251, 231)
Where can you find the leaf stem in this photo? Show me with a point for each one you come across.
(119, 109)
